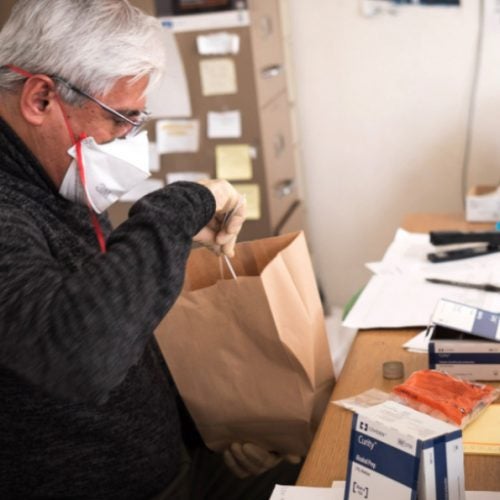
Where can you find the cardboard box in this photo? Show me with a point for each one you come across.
(399, 453)
(464, 341)
(482, 204)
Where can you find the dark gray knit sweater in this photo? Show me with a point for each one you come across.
(87, 409)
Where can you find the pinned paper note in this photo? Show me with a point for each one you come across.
(233, 162)
(218, 43)
(218, 76)
(251, 192)
(226, 124)
(154, 158)
(186, 176)
(177, 136)
(142, 189)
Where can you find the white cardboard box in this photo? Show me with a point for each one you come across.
(482, 204)
(464, 341)
(399, 453)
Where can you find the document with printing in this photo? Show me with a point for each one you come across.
(398, 294)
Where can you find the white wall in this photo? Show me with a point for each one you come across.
(382, 109)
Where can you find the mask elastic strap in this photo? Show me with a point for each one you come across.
(93, 216)
(81, 174)
(79, 161)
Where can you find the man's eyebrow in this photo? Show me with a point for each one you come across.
(127, 111)
(131, 112)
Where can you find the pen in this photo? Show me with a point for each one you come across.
(486, 287)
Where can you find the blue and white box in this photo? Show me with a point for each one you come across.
(399, 453)
(464, 341)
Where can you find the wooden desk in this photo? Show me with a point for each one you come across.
(327, 458)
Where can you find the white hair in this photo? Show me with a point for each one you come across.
(89, 43)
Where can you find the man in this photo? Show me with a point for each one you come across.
(88, 408)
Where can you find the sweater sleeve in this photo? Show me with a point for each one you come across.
(76, 334)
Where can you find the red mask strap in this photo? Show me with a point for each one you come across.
(93, 216)
(18, 70)
(79, 161)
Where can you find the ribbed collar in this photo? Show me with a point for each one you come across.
(17, 160)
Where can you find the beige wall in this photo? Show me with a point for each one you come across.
(382, 106)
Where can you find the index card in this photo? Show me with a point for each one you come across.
(218, 76)
(177, 136)
(225, 124)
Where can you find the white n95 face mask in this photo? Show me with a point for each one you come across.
(111, 170)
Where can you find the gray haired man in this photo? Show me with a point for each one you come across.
(89, 410)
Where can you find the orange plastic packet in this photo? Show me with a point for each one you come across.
(443, 396)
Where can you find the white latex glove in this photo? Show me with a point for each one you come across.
(248, 459)
(216, 235)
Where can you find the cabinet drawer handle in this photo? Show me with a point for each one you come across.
(271, 71)
(278, 144)
(284, 188)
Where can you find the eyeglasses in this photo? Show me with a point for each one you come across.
(137, 124)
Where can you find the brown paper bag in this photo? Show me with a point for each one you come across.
(250, 356)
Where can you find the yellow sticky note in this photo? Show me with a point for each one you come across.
(218, 76)
(252, 194)
(482, 436)
(233, 162)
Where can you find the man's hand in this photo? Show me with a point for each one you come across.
(221, 232)
(248, 459)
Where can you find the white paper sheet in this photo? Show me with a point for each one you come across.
(218, 43)
(408, 254)
(225, 124)
(419, 343)
(177, 136)
(398, 295)
(409, 301)
(170, 97)
(154, 158)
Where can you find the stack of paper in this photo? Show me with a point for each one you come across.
(398, 294)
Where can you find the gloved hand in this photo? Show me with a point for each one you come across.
(250, 460)
(219, 235)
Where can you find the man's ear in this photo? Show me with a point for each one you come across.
(38, 97)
